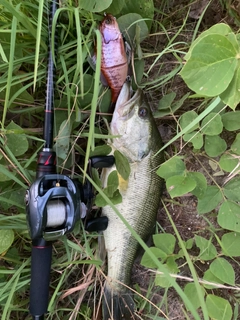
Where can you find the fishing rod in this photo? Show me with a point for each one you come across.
(54, 202)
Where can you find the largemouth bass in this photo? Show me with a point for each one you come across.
(139, 141)
(114, 61)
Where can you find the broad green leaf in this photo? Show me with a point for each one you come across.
(105, 102)
(212, 124)
(188, 244)
(60, 115)
(161, 280)
(233, 37)
(172, 264)
(196, 138)
(85, 104)
(128, 25)
(220, 28)
(201, 184)
(236, 145)
(145, 8)
(230, 244)
(229, 216)
(210, 200)
(95, 5)
(207, 249)
(6, 239)
(174, 166)
(190, 291)
(210, 277)
(165, 241)
(232, 189)
(102, 150)
(116, 7)
(63, 140)
(214, 145)
(116, 199)
(122, 164)
(231, 96)
(180, 102)
(139, 71)
(213, 104)
(211, 65)
(220, 108)
(16, 142)
(12, 197)
(228, 162)
(111, 191)
(95, 177)
(18, 95)
(186, 119)
(231, 120)
(180, 185)
(165, 103)
(4, 176)
(17, 197)
(223, 270)
(165, 107)
(148, 262)
(112, 184)
(88, 83)
(218, 308)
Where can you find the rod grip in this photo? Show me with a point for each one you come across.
(40, 279)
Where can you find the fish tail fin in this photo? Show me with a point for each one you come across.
(117, 306)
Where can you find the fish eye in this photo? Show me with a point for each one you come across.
(143, 112)
(109, 19)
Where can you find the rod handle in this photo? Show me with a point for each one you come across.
(40, 279)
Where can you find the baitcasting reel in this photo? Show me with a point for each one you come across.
(54, 203)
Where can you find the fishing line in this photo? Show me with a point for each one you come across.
(56, 208)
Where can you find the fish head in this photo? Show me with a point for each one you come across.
(109, 29)
(134, 125)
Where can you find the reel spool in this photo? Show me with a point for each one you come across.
(53, 206)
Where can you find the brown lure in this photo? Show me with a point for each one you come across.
(114, 61)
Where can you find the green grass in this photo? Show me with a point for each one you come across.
(81, 104)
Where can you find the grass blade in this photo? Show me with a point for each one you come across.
(90, 143)
(10, 68)
(38, 41)
(7, 307)
(79, 67)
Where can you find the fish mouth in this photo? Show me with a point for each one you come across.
(126, 103)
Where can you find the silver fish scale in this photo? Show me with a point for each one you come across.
(138, 138)
(139, 207)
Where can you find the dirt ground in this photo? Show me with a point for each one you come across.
(183, 209)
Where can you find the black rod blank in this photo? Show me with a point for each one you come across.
(50, 85)
(41, 255)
